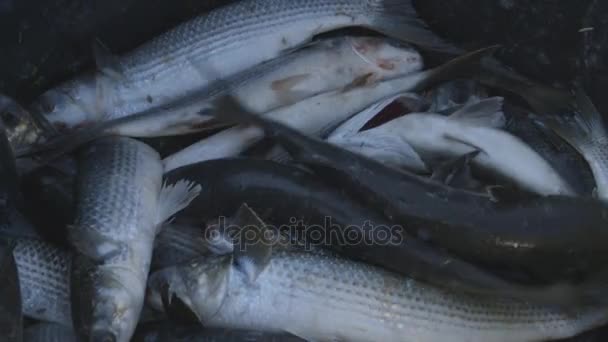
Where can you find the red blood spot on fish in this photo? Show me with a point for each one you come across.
(386, 64)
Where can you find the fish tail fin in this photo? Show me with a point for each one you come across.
(175, 197)
(543, 99)
(487, 112)
(583, 129)
(399, 19)
(464, 66)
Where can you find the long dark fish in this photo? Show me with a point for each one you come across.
(283, 195)
(11, 319)
(527, 234)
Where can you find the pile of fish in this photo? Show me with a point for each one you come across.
(264, 172)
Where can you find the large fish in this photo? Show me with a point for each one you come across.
(320, 114)
(322, 297)
(501, 230)
(296, 201)
(121, 204)
(323, 66)
(219, 44)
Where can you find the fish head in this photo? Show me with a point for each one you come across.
(194, 290)
(388, 57)
(21, 127)
(72, 104)
(106, 300)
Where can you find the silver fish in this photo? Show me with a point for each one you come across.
(49, 332)
(323, 66)
(320, 114)
(472, 128)
(585, 130)
(44, 270)
(321, 297)
(121, 204)
(44, 275)
(216, 45)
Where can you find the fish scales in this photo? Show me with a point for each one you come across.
(44, 272)
(374, 304)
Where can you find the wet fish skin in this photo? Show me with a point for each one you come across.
(290, 193)
(325, 65)
(323, 297)
(120, 206)
(434, 136)
(585, 129)
(320, 114)
(44, 273)
(498, 230)
(49, 332)
(561, 155)
(211, 47)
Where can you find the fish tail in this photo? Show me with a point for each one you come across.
(175, 197)
(542, 99)
(464, 66)
(399, 19)
(584, 129)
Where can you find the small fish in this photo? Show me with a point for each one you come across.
(585, 130)
(499, 230)
(325, 65)
(322, 297)
(435, 136)
(321, 114)
(49, 332)
(121, 204)
(11, 319)
(212, 45)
